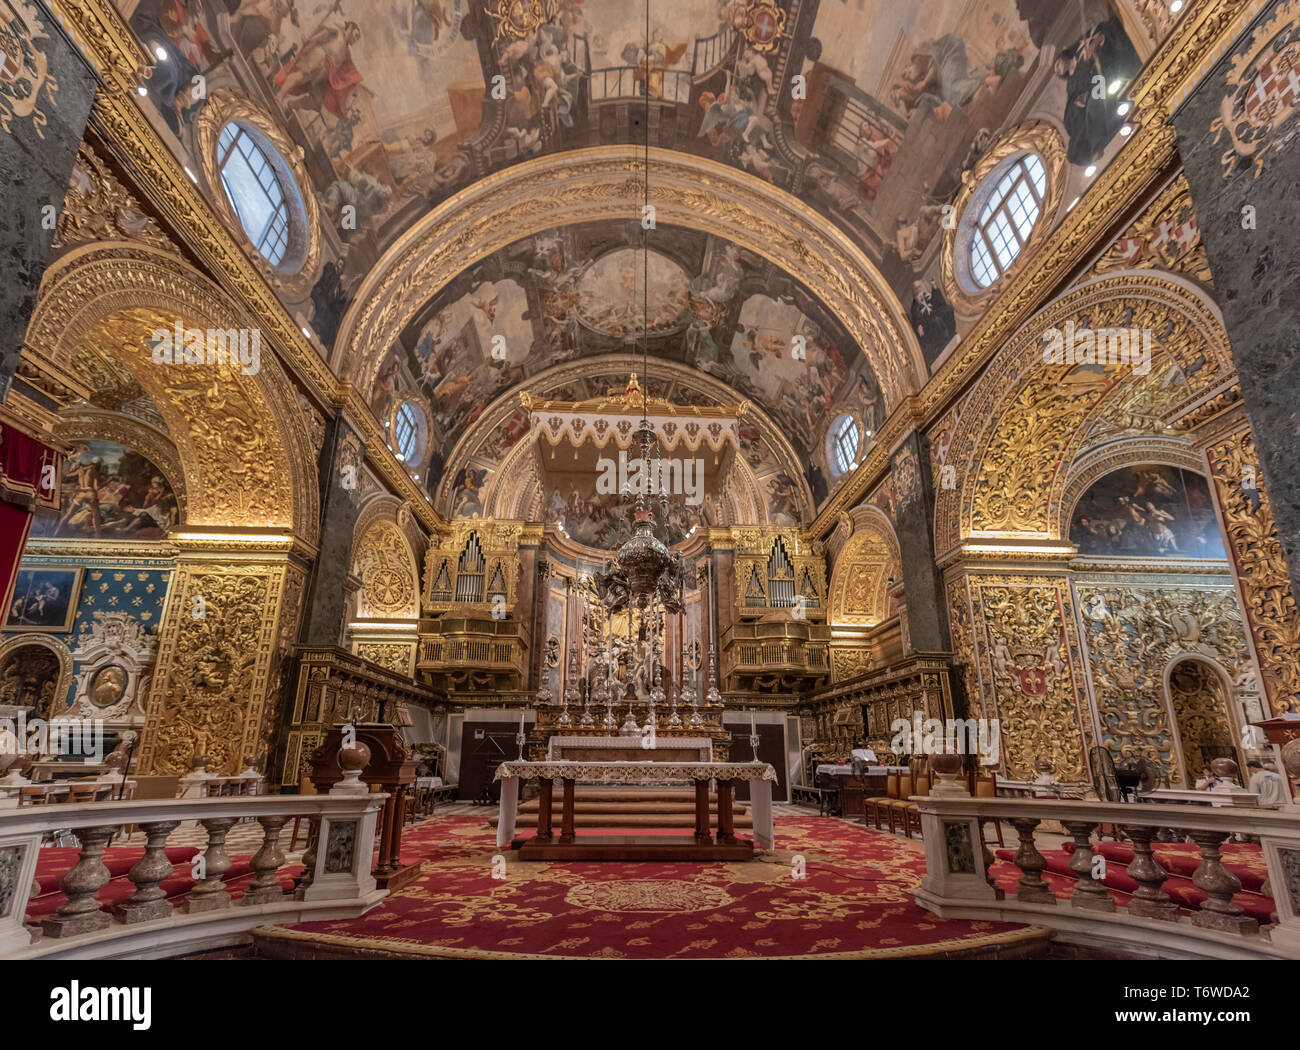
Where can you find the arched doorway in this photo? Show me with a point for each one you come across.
(31, 676)
(1199, 701)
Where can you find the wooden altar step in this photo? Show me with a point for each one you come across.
(633, 808)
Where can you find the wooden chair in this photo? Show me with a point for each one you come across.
(873, 808)
(895, 807)
(987, 787)
(86, 792)
(305, 787)
(911, 810)
(34, 795)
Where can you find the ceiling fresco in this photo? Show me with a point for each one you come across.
(577, 292)
(397, 104)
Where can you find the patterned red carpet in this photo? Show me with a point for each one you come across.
(856, 901)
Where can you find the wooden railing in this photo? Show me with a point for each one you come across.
(957, 884)
(337, 883)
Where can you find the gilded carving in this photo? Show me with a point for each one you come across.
(396, 656)
(600, 183)
(1261, 569)
(859, 590)
(1165, 236)
(384, 564)
(214, 660)
(1201, 715)
(99, 208)
(1025, 656)
(1132, 633)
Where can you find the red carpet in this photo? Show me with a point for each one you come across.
(856, 902)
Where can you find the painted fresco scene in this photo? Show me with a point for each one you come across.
(876, 135)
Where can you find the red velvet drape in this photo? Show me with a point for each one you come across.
(29, 478)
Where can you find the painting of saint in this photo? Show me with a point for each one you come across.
(932, 319)
(173, 31)
(1095, 68)
(467, 493)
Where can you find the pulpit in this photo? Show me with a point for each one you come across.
(392, 769)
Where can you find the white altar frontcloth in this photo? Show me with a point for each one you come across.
(760, 775)
(702, 743)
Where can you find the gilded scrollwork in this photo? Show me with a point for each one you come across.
(99, 208)
(386, 567)
(860, 580)
(1026, 659)
(1166, 236)
(214, 661)
(1261, 568)
(1027, 418)
(1132, 634)
(244, 447)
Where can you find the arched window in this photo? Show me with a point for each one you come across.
(406, 432)
(845, 440)
(253, 189)
(1007, 218)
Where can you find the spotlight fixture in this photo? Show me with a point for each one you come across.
(1126, 130)
(162, 55)
(142, 90)
(1176, 6)
(1090, 171)
(1124, 107)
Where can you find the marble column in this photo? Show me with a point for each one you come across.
(37, 152)
(340, 498)
(1236, 139)
(927, 620)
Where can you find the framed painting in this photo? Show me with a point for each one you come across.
(44, 599)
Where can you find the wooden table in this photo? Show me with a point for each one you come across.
(703, 845)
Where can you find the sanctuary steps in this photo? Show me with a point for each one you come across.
(606, 807)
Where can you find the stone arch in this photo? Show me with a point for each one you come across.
(606, 182)
(869, 557)
(56, 702)
(1024, 421)
(1202, 715)
(240, 438)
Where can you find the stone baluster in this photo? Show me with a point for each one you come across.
(81, 912)
(1088, 890)
(265, 888)
(149, 901)
(1218, 912)
(1031, 888)
(308, 859)
(1149, 901)
(211, 894)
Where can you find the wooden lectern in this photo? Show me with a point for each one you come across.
(390, 769)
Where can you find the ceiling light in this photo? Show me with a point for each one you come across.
(1126, 130)
(162, 55)
(306, 331)
(1124, 107)
(1090, 171)
(1176, 6)
(142, 90)
(1115, 85)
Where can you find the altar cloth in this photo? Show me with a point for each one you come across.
(760, 775)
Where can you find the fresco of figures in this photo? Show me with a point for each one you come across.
(577, 292)
(111, 493)
(392, 102)
(1147, 511)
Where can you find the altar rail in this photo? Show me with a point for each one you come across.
(956, 884)
(336, 885)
